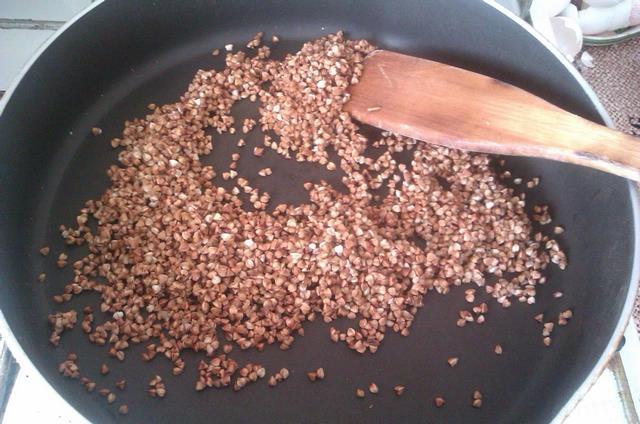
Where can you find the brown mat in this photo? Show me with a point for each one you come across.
(616, 80)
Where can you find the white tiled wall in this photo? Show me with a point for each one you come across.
(18, 45)
(46, 10)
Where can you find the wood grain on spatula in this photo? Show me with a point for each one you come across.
(449, 106)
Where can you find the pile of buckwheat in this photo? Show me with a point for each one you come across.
(175, 257)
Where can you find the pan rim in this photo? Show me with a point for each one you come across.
(21, 357)
(633, 291)
(5, 330)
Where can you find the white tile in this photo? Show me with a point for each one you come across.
(49, 407)
(630, 355)
(601, 405)
(47, 10)
(16, 47)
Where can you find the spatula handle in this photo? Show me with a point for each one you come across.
(598, 147)
(450, 106)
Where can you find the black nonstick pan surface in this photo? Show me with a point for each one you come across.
(109, 64)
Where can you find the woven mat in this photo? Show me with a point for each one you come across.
(616, 80)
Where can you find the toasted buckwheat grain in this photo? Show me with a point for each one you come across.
(181, 257)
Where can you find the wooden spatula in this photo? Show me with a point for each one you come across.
(453, 107)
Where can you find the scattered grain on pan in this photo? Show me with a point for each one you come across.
(558, 257)
(533, 182)
(498, 349)
(284, 373)
(249, 373)
(546, 341)
(59, 322)
(96, 131)
(90, 386)
(558, 229)
(157, 387)
(69, 368)
(564, 317)
(104, 369)
(373, 388)
(111, 397)
(264, 172)
(275, 39)
(557, 294)
(539, 318)
(240, 383)
(399, 390)
(541, 214)
(453, 361)
(62, 260)
(359, 393)
(438, 401)
(171, 245)
(215, 52)
(255, 41)
(476, 400)
(44, 250)
(123, 410)
(248, 124)
(334, 335)
(470, 295)
(42, 277)
(84, 380)
(466, 315)
(216, 373)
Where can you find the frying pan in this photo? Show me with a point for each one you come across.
(108, 64)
